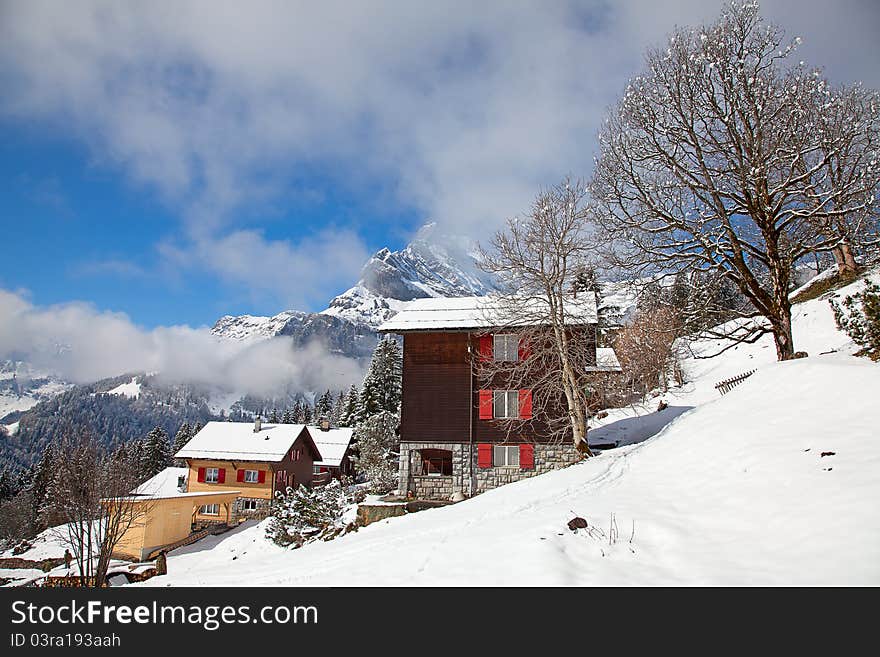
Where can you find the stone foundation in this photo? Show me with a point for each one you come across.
(466, 476)
(261, 511)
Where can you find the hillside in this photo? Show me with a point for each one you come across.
(774, 483)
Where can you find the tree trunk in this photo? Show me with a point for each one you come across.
(846, 261)
(782, 335)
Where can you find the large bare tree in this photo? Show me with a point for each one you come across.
(91, 495)
(723, 157)
(538, 258)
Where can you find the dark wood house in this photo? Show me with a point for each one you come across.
(451, 439)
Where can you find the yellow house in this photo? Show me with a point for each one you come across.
(257, 459)
(165, 514)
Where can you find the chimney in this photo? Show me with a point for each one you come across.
(324, 424)
(258, 424)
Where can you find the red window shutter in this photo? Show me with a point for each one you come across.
(486, 347)
(485, 404)
(484, 455)
(527, 457)
(525, 349)
(201, 474)
(240, 476)
(221, 475)
(525, 404)
(261, 477)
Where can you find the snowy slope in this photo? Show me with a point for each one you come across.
(713, 490)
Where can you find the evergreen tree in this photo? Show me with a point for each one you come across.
(349, 412)
(287, 417)
(157, 453)
(338, 410)
(40, 482)
(378, 448)
(181, 438)
(324, 406)
(307, 412)
(382, 386)
(273, 416)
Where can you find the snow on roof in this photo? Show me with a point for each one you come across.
(332, 444)
(238, 441)
(440, 313)
(606, 361)
(163, 484)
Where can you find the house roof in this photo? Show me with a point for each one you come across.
(332, 444)
(163, 486)
(463, 313)
(237, 441)
(606, 361)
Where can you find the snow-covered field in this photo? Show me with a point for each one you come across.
(776, 482)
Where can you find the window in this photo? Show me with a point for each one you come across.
(506, 347)
(212, 476)
(437, 462)
(319, 469)
(251, 476)
(506, 455)
(210, 509)
(248, 504)
(505, 403)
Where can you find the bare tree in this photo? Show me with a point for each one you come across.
(716, 160)
(646, 347)
(91, 494)
(849, 147)
(539, 257)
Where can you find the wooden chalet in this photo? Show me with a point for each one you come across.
(451, 441)
(257, 459)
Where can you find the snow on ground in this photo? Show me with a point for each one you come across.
(713, 490)
(131, 389)
(49, 544)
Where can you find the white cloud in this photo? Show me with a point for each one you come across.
(82, 344)
(467, 107)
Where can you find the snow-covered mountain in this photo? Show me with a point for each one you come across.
(432, 265)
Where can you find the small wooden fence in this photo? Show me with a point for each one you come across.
(729, 384)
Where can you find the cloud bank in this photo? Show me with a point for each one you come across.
(466, 107)
(81, 344)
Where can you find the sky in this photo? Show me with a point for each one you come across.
(167, 163)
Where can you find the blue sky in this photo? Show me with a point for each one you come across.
(166, 163)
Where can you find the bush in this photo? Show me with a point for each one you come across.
(301, 515)
(859, 316)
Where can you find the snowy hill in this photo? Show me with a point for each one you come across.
(774, 483)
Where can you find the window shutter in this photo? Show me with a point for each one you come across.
(240, 476)
(527, 457)
(525, 404)
(202, 474)
(486, 347)
(261, 477)
(485, 404)
(221, 475)
(525, 349)
(484, 455)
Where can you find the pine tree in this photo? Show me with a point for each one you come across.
(307, 412)
(378, 448)
(40, 483)
(338, 410)
(287, 417)
(157, 453)
(382, 386)
(349, 411)
(181, 438)
(273, 416)
(324, 406)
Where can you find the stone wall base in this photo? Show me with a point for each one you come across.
(466, 477)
